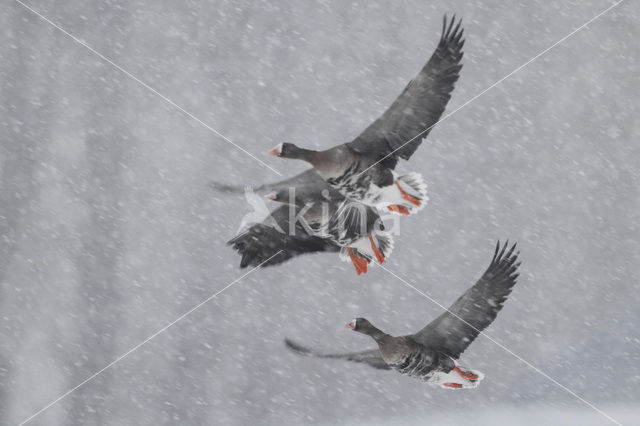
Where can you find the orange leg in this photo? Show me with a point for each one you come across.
(398, 208)
(358, 262)
(409, 198)
(465, 375)
(377, 252)
(452, 385)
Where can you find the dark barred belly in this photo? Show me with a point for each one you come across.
(351, 184)
(417, 365)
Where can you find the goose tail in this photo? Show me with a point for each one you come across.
(407, 195)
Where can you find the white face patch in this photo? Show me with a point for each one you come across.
(351, 325)
(277, 150)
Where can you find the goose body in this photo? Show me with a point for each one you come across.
(433, 367)
(416, 361)
(379, 187)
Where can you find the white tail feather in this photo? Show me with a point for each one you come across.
(413, 184)
(384, 242)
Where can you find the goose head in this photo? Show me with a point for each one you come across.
(361, 325)
(290, 150)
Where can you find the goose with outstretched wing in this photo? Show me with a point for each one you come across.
(363, 169)
(431, 354)
(323, 220)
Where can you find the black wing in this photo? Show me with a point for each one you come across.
(261, 241)
(455, 329)
(371, 357)
(400, 130)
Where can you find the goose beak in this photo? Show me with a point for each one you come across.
(349, 325)
(271, 196)
(277, 150)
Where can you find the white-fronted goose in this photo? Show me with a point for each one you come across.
(431, 354)
(314, 209)
(363, 169)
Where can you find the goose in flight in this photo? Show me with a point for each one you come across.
(363, 169)
(315, 217)
(432, 353)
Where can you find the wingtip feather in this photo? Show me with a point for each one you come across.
(296, 347)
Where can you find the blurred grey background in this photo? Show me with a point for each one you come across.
(109, 231)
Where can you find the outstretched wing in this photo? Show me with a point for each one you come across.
(400, 130)
(455, 329)
(307, 185)
(262, 242)
(371, 357)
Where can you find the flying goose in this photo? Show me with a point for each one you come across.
(363, 169)
(323, 220)
(431, 354)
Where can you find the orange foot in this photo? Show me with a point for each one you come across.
(465, 374)
(399, 208)
(452, 385)
(377, 252)
(359, 263)
(409, 198)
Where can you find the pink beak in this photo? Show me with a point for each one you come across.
(271, 196)
(349, 325)
(274, 151)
